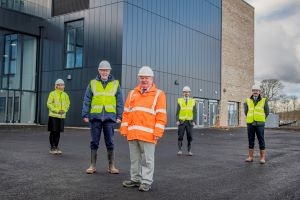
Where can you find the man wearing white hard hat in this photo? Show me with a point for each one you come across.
(143, 123)
(185, 119)
(102, 108)
(58, 104)
(256, 110)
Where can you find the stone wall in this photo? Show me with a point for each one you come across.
(237, 56)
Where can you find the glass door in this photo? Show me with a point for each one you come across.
(233, 117)
(200, 112)
(17, 77)
(213, 112)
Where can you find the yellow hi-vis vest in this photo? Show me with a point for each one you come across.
(104, 97)
(58, 100)
(256, 113)
(186, 110)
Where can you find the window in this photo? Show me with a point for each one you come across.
(10, 54)
(74, 44)
(3, 3)
(12, 4)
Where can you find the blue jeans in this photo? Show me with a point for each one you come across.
(259, 132)
(108, 130)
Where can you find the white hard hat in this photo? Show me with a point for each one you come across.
(146, 71)
(104, 65)
(186, 89)
(256, 87)
(59, 81)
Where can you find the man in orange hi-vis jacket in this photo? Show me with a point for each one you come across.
(143, 123)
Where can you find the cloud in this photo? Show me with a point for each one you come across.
(291, 89)
(277, 42)
(275, 8)
(276, 53)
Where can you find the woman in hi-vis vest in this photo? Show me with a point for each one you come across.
(58, 104)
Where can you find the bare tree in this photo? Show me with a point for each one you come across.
(294, 101)
(274, 105)
(284, 100)
(271, 88)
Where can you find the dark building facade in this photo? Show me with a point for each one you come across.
(51, 39)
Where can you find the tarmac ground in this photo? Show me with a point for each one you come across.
(217, 169)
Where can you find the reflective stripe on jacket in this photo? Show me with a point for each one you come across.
(255, 112)
(104, 97)
(145, 115)
(58, 100)
(186, 110)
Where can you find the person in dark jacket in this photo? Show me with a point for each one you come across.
(103, 107)
(256, 110)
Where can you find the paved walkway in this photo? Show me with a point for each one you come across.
(216, 171)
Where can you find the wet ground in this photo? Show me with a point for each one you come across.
(216, 170)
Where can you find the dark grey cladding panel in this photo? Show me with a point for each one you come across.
(60, 7)
(20, 22)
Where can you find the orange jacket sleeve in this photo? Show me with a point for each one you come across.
(161, 115)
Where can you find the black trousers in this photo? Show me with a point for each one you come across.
(54, 138)
(55, 126)
(187, 127)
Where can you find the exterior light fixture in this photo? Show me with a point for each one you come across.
(69, 77)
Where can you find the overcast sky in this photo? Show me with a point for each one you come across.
(277, 42)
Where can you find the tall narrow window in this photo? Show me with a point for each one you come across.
(10, 54)
(74, 44)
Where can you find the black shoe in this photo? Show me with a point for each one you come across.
(131, 183)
